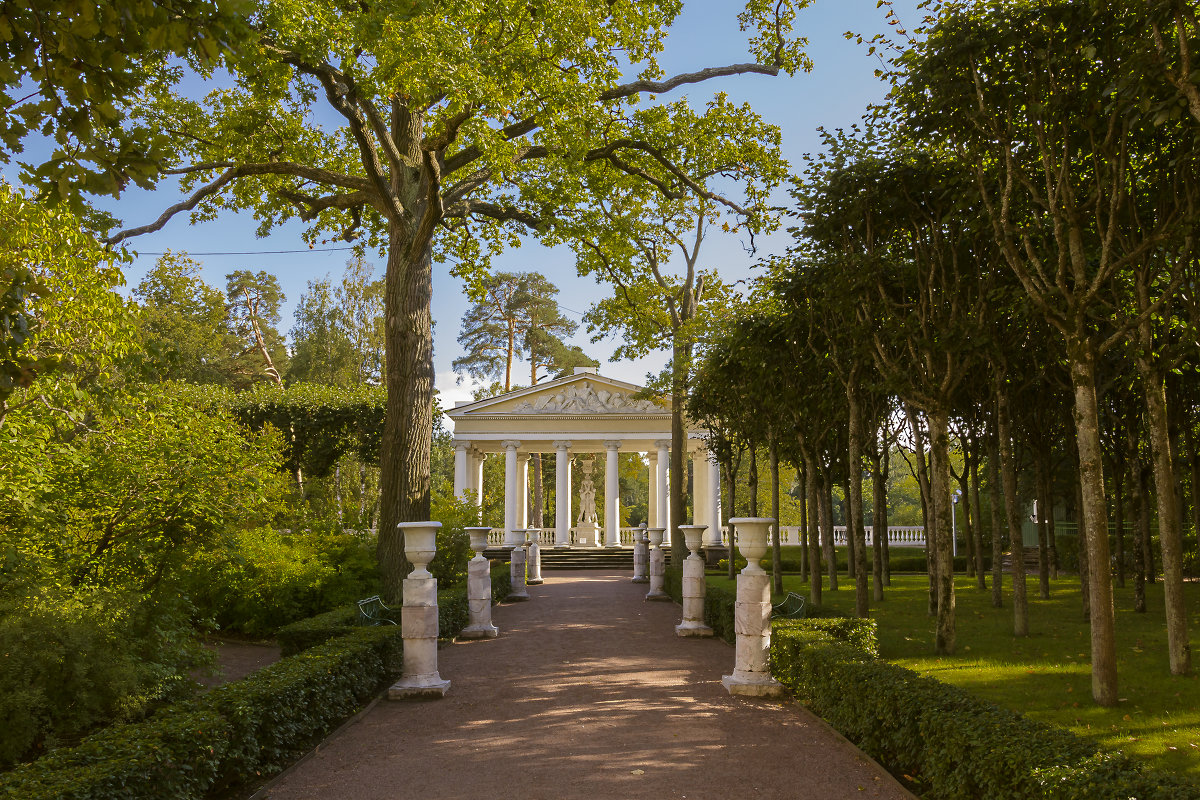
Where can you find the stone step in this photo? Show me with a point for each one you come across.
(555, 559)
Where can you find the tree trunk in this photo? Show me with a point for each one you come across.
(825, 501)
(776, 552)
(752, 481)
(977, 514)
(814, 539)
(1043, 492)
(1138, 507)
(968, 538)
(804, 519)
(887, 555)
(1119, 512)
(408, 423)
(1170, 537)
(878, 524)
(681, 358)
(854, 519)
(994, 481)
(1084, 563)
(731, 479)
(939, 458)
(1008, 469)
(926, 505)
(1095, 514)
(1194, 462)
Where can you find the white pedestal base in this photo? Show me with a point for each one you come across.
(693, 629)
(657, 568)
(419, 687)
(479, 601)
(517, 574)
(752, 686)
(534, 556)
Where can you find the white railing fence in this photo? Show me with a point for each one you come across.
(898, 535)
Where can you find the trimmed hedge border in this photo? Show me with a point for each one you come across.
(253, 727)
(243, 730)
(452, 617)
(943, 742)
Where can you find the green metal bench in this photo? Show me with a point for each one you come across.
(794, 606)
(372, 611)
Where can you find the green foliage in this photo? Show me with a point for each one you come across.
(941, 741)
(338, 336)
(255, 580)
(449, 565)
(233, 735)
(452, 616)
(58, 310)
(84, 61)
(182, 323)
(73, 661)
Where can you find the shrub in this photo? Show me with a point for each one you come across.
(452, 617)
(944, 742)
(259, 579)
(72, 661)
(252, 727)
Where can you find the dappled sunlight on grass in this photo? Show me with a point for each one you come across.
(1047, 675)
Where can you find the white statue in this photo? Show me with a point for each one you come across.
(587, 493)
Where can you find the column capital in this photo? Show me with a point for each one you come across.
(510, 444)
(462, 444)
(523, 458)
(562, 445)
(663, 444)
(612, 444)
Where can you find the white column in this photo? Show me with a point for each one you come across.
(511, 504)
(461, 479)
(612, 496)
(700, 487)
(478, 480)
(562, 494)
(523, 514)
(664, 489)
(712, 536)
(652, 499)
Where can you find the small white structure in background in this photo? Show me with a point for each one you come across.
(641, 556)
(533, 558)
(579, 416)
(657, 565)
(516, 567)
(693, 586)
(479, 591)
(752, 614)
(419, 617)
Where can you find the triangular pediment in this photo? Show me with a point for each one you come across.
(579, 394)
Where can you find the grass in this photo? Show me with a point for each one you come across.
(1047, 675)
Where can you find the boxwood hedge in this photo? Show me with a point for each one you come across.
(243, 730)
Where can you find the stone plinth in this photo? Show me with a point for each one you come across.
(479, 591)
(752, 615)
(587, 534)
(641, 556)
(657, 565)
(419, 618)
(694, 587)
(533, 556)
(516, 563)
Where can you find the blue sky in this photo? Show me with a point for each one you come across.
(835, 94)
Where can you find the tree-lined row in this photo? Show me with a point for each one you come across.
(1005, 253)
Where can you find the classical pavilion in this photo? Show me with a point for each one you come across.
(580, 415)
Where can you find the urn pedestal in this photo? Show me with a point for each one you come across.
(479, 591)
(419, 617)
(657, 565)
(693, 585)
(752, 615)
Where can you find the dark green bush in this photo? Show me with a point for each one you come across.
(944, 742)
(859, 633)
(452, 616)
(252, 727)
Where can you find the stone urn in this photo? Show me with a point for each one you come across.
(478, 539)
(420, 545)
(752, 533)
(692, 535)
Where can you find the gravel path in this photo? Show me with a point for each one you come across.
(587, 693)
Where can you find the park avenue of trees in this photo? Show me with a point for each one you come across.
(993, 278)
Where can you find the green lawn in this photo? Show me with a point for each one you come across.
(1046, 675)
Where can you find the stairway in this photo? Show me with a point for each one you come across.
(1030, 557)
(576, 558)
